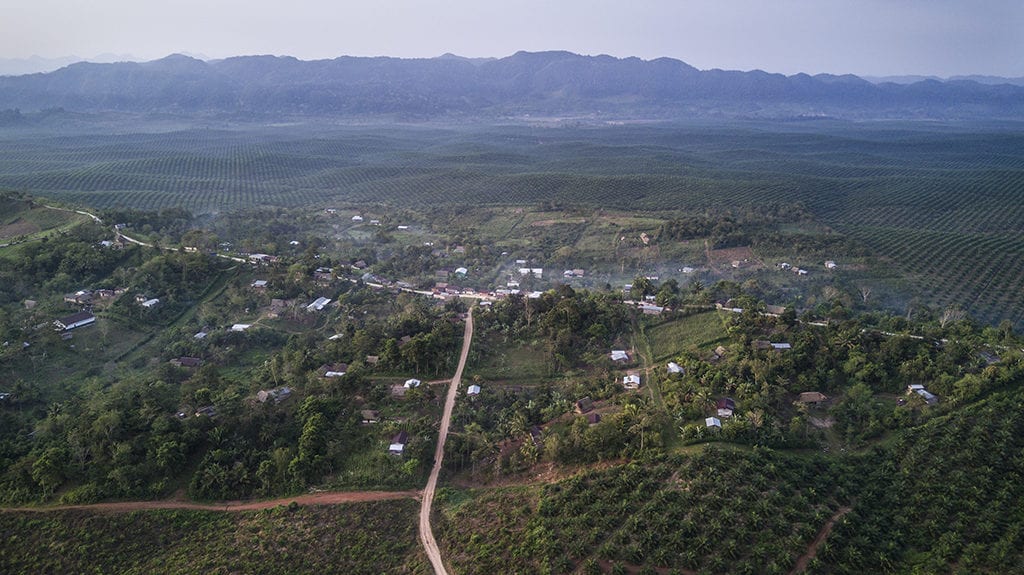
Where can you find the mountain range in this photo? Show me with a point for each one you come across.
(546, 84)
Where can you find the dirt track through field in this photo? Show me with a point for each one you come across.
(426, 534)
(812, 549)
(327, 498)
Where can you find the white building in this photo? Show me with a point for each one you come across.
(319, 304)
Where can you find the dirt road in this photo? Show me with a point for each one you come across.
(812, 549)
(329, 498)
(426, 534)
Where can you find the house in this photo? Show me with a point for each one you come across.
(200, 335)
(461, 271)
(333, 369)
(186, 361)
(593, 418)
(278, 394)
(649, 309)
(360, 265)
(323, 274)
(584, 405)
(262, 259)
(372, 360)
(318, 304)
(619, 355)
(537, 272)
(720, 351)
(473, 390)
(259, 284)
(241, 326)
(277, 307)
(631, 381)
(761, 344)
(411, 383)
(725, 407)
(713, 423)
(919, 389)
(775, 309)
(459, 250)
(357, 218)
(207, 411)
(374, 222)
(74, 320)
(150, 303)
(369, 416)
(336, 337)
(812, 397)
(31, 304)
(830, 265)
(403, 228)
(674, 367)
(781, 346)
(80, 297)
(398, 441)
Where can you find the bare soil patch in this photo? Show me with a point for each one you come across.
(543, 223)
(18, 227)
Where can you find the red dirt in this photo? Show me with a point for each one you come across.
(328, 498)
(812, 549)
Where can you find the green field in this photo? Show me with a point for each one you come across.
(698, 331)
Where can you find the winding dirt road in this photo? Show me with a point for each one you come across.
(426, 534)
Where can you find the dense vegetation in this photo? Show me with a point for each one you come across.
(943, 498)
(365, 538)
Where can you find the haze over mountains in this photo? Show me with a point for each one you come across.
(546, 84)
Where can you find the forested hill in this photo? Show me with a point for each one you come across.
(543, 83)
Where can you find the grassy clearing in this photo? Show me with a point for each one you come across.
(512, 364)
(701, 331)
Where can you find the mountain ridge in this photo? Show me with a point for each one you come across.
(551, 82)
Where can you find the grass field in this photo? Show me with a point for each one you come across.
(939, 204)
(701, 331)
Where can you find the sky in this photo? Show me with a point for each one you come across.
(864, 37)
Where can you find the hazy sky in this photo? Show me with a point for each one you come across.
(867, 37)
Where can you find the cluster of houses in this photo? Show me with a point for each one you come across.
(86, 297)
(790, 268)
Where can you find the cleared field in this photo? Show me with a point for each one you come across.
(700, 331)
